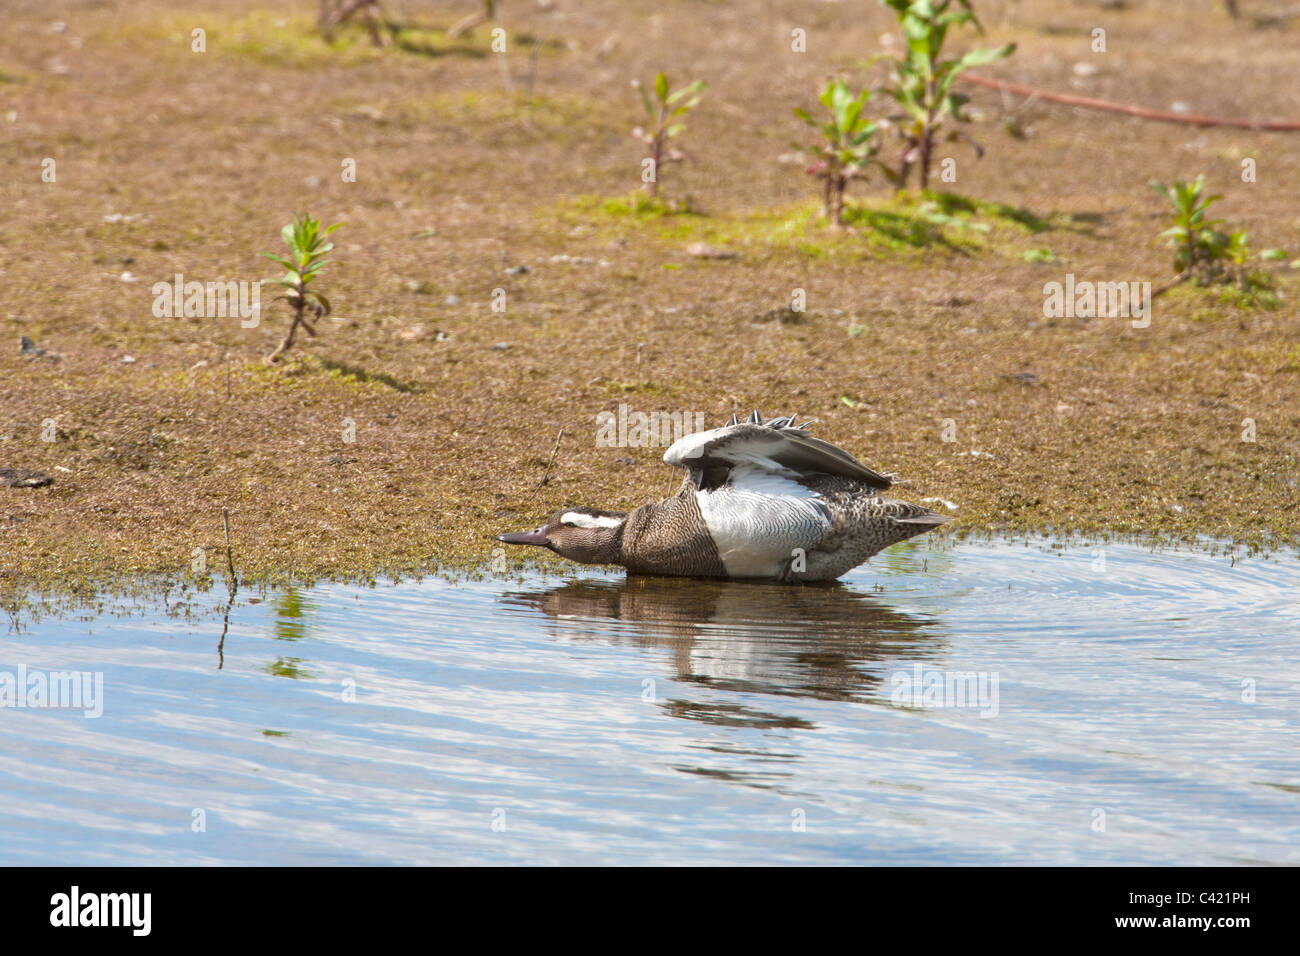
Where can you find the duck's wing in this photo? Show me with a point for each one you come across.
(776, 446)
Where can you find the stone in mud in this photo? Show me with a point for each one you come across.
(28, 350)
(702, 250)
(23, 478)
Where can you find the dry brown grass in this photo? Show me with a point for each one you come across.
(1119, 430)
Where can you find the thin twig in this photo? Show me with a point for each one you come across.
(466, 24)
(11, 610)
(547, 473)
(1181, 278)
(233, 585)
(1161, 116)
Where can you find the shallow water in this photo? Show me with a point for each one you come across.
(1134, 707)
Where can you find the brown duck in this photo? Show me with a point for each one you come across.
(761, 500)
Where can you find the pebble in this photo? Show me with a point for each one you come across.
(23, 478)
(579, 260)
(702, 250)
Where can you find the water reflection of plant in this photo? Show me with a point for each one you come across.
(292, 622)
(287, 667)
(292, 611)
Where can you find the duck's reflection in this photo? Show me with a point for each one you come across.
(828, 642)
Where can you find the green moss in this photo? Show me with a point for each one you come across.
(952, 204)
(907, 225)
(904, 225)
(287, 41)
(1258, 294)
(873, 227)
(1205, 302)
(293, 41)
(354, 375)
(638, 205)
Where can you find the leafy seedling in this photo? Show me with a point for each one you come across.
(307, 249)
(1201, 250)
(666, 112)
(922, 79)
(1233, 252)
(1192, 234)
(849, 144)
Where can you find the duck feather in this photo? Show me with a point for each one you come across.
(772, 447)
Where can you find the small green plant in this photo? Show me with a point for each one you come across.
(666, 113)
(1192, 235)
(849, 144)
(307, 249)
(922, 80)
(1203, 252)
(1237, 252)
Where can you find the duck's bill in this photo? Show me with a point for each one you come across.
(524, 537)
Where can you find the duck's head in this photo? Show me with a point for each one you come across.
(579, 534)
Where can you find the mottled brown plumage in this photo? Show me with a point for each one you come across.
(666, 537)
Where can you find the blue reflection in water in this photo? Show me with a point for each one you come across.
(1135, 707)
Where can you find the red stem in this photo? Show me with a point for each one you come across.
(1161, 116)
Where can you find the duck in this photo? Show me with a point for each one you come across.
(761, 500)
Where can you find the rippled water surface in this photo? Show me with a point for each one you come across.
(987, 703)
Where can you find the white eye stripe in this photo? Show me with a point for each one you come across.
(577, 519)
